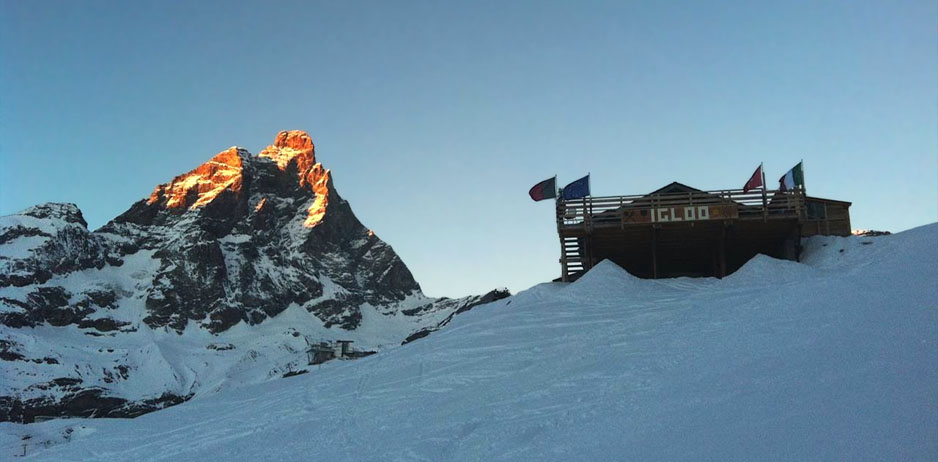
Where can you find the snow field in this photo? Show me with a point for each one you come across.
(834, 359)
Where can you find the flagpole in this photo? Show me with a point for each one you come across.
(765, 200)
(804, 189)
(557, 204)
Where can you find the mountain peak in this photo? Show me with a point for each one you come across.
(228, 172)
(289, 145)
(296, 147)
(67, 212)
(239, 239)
(295, 139)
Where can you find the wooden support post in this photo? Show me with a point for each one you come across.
(621, 213)
(722, 250)
(586, 253)
(827, 221)
(800, 209)
(563, 261)
(654, 252)
(798, 244)
(849, 228)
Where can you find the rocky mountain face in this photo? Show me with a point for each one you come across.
(220, 277)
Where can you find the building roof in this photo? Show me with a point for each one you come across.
(674, 187)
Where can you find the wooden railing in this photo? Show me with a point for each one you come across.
(731, 204)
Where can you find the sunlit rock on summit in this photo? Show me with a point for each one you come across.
(202, 185)
(295, 147)
(293, 152)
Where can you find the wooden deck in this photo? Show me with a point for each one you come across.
(591, 213)
(681, 228)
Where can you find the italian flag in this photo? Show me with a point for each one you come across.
(792, 179)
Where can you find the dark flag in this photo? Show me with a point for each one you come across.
(577, 189)
(546, 189)
(755, 181)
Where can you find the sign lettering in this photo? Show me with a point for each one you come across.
(672, 214)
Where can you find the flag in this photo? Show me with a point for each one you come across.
(792, 179)
(577, 189)
(546, 189)
(755, 180)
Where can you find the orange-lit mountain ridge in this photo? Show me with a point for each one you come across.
(224, 173)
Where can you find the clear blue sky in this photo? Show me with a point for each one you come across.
(436, 117)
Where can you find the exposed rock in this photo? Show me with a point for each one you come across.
(50, 305)
(869, 233)
(220, 346)
(9, 351)
(101, 324)
(54, 240)
(69, 213)
(101, 298)
(220, 175)
(462, 305)
(85, 402)
(16, 232)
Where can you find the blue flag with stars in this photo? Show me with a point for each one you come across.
(577, 189)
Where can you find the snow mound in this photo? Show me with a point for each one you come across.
(538, 293)
(850, 253)
(604, 278)
(765, 270)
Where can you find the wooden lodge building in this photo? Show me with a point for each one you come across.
(682, 231)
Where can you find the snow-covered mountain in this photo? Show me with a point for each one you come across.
(219, 278)
(832, 359)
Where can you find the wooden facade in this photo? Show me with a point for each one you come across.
(682, 231)
(826, 217)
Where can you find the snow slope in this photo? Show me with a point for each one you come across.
(835, 359)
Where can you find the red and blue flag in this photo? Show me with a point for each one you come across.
(546, 189)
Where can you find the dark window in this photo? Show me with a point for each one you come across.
(816, 210)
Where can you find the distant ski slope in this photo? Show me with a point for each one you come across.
(835, 359)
